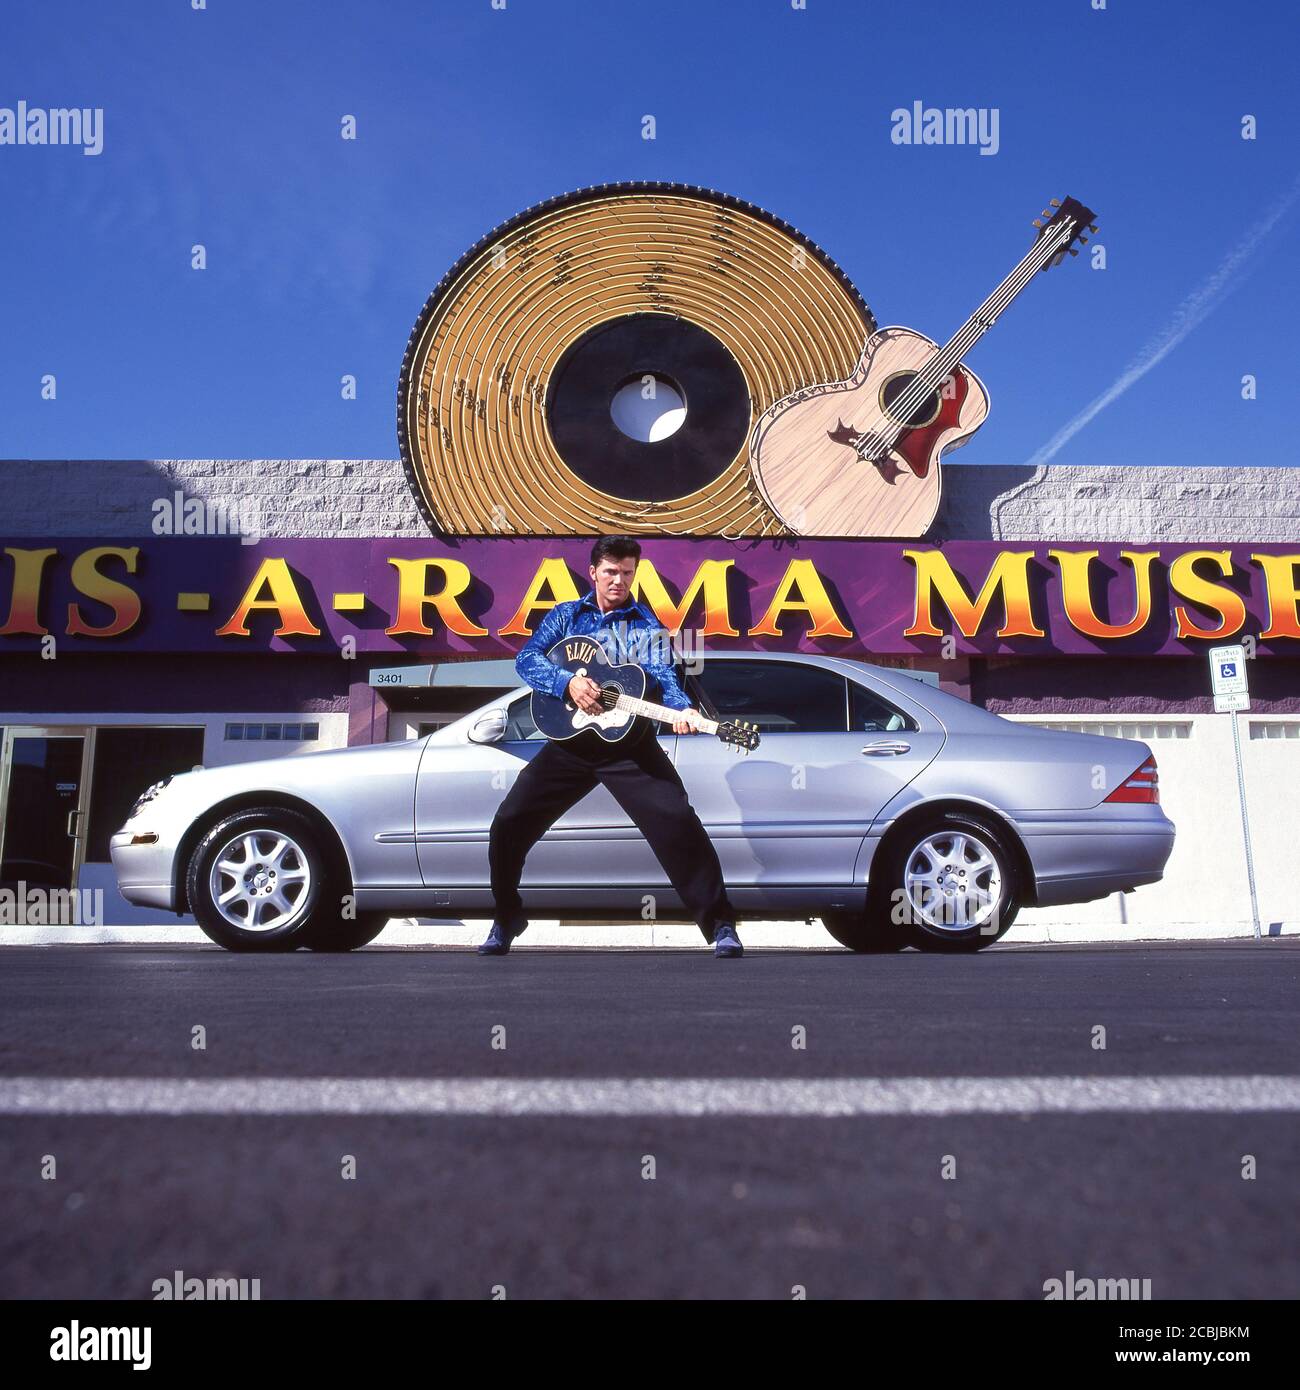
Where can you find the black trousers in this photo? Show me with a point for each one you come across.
(642, 779)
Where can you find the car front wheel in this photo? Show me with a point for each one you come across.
(262, 880)
(346, 934)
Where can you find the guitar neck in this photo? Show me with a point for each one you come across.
(936, 371)
(987, 314)
(663, 714)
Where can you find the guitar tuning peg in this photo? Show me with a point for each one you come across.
(1073, 252)
(1055, 202)
(1092, 229)
(1083, 241)
(1037, 223)
(1046, 212)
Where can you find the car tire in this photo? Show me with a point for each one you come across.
(866, 932)
(951, 883)
(346, 934)
(262, 880)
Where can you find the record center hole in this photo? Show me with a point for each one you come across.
(648, 408)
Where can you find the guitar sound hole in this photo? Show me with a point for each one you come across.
(895, 387)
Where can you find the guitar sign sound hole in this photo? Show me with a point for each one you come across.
(895, 387)
(648, 408)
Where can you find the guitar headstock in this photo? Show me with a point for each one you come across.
(739, 733)
(1066, 222)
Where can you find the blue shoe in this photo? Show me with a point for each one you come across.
(726, 942)
(498, 940)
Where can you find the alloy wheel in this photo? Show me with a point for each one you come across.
(260, 879)
(952, 881)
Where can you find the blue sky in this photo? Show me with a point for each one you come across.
(222, 127)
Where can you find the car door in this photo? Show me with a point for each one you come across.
(833, 752)
(460, 786)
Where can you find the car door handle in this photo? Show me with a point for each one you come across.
(885, 750)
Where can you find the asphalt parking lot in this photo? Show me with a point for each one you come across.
(614, 1123)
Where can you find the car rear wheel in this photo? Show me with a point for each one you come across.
(262, 880)
(952, 884)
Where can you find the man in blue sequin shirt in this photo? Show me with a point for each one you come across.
(635, 770)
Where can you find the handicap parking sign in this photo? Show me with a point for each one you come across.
(1228, 678)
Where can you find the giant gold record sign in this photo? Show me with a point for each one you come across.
(512, 404)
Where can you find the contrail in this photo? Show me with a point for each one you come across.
(1187, 316)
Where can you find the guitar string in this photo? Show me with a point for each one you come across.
(729, 731)
(978, 324)
(942, 363)
(647, 709)
(981, 320)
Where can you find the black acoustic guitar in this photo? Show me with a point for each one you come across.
(622, 691)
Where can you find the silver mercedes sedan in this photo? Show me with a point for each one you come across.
(895, 813)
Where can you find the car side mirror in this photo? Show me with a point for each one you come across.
(490, 728)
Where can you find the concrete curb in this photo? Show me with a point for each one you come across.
(656, 936)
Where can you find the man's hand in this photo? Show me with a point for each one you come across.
(585, 693)
(686, 724)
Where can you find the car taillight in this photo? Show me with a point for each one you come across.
(1142, 785)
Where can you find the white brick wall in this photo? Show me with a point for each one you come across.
(1205, 882)
(294, 497)
(1116, 503)
(370, 497)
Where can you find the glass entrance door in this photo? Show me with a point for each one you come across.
(43, 783)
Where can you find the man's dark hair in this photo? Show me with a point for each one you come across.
(615, 548)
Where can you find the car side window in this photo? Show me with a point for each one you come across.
(779, 697)
(519, 721)
(869, 714)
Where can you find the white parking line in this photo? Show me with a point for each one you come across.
(823, 1097)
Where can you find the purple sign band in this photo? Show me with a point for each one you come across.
(481, 596)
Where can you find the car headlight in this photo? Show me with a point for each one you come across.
(146, 797)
